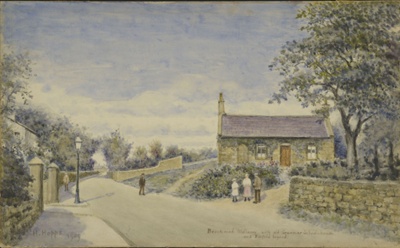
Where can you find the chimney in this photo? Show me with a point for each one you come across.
(221, 106)
(221, 112)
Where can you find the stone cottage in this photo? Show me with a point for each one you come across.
(24, 134)
(288, 140)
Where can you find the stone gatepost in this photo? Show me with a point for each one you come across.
(52, 190)
(36, 169)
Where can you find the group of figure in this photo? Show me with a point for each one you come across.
(247, 189)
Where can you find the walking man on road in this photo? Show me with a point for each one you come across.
(66, 181)
(142, 182)
(257, 189)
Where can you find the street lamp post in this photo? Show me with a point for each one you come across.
(78, 143)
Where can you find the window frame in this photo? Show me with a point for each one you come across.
(312, 152)
(263, 154)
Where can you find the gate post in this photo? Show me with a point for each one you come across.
(53, 186)
(36, 171)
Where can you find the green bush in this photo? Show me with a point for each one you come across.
(15, 181)
(216, 183)
(321, 169)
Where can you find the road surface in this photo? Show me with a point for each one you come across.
(165, 220)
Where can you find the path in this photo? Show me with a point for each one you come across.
(164, 220)
(66, 224)
(195, 174)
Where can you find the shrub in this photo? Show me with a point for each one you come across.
(216, 183)
(336, 170)
(15, 180)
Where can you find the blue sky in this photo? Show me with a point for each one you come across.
(153, 70)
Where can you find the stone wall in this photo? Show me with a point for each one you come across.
(164, 165)
(376, 202)
(243, 150)
(18, 219)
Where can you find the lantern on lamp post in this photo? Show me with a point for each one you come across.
(78, 143)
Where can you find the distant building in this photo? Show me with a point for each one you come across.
(288, 140)
(24, 134)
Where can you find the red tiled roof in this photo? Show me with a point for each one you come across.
(274, 126)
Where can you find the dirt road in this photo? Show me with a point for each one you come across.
(164, 220)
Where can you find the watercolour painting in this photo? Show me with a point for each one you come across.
(200, 124)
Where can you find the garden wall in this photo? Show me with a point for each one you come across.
(164, 165)
(376, 202)
(18, 219)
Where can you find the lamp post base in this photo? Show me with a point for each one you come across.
(77, 200)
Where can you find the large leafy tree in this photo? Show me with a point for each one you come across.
(116, 150)
(56, 138)
(345, 63)
(15, 71)
(156, 149)
(14, 177)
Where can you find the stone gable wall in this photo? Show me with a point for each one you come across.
(376, 202)
(237, 150)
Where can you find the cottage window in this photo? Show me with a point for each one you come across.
(311, 152)
(261, 152)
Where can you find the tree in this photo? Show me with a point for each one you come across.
(15, 70)
(116, 150)
(172, 151)
(346, 64)
(155, 149)
(56, 139)
(382, 135)
(140, 154)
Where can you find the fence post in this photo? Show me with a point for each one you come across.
(36, 171)
(53, 187)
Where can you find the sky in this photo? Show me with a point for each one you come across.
(153, 70)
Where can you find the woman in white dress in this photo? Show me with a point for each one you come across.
(247, 187)
(235, 190)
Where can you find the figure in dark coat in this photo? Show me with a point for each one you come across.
(257, 188)
(142, 182)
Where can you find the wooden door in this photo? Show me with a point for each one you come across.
(285, 156)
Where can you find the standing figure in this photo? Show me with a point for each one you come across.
(66, 181)
(257, 189)
(247, 188)
(235, 190)
(142, 183)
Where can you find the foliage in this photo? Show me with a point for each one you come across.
(337, 170)
(15, 179)
(340, 144)
(155, 149)
(381, 135)
(347, 63)
(56, 139)
(190, 155)
(171, 151)
(116, 151)
(15, 70)
(216, 183)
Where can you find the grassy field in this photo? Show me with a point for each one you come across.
(175, 182)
